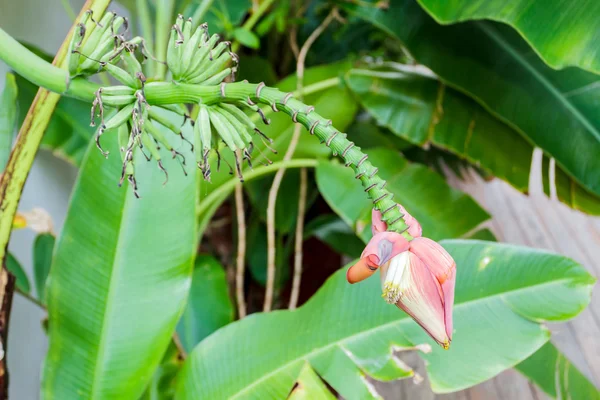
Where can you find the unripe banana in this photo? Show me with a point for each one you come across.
(217, 78)
(92, 41)
(118, 91)
(189, 49)
(119, 118)
(240, 128)
(76, 40)
(239, 114)
(214, 67)
(158, 117)
(157, 134)
(200, 56)
(225, 130)
(121, 75)
(149, 143)
(203, 129)
(91, 61)
(123, 136)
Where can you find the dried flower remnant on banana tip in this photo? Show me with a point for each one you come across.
(417, 275)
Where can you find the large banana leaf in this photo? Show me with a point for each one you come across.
(310, 386)
(556, 376)
(8, 117)
(443, 212)
(119, 278)
(561, 34)
(209, 306)
(345, 332)
(556, 110)
(424, 111)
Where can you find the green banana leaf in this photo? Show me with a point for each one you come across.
(443, 212)
(8, 117)
(14, 267)
(43, 246)
(561, 36)
(286, 209)
(209, 306)
(331, 229)
(554, 374)
(162, 384)
(119, 278)
(310, 387)
(345, 332)
(555, 110)
(422, 110)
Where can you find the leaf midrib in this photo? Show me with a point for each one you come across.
(98, 367)
(369, 331)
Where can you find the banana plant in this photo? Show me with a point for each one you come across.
(125, 285)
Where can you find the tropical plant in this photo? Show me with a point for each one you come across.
(139, 299)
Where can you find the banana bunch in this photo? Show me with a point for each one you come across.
(227, 123)
(192, 58)
(105, 48)
(197, 58)
(138, 131)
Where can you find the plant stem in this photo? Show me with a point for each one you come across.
(201, 12)
(262, 8)
(299, 240)
(143, 12)
(69, 10)
(30, 66)
(250, 22)
(241, 250)
(31, 299)
(164, 20)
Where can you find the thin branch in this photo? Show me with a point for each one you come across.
(299, 240)
(143, 12)
(241, 250)
(164, 20)
(200, 12)
(30, 298)
(280, 173)
(69, 10)
(179, 345)
(250, 22)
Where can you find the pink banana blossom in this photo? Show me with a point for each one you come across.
(417, 275)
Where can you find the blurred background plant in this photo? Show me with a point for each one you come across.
(426, 90)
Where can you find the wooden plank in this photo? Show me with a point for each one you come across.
(512, 385)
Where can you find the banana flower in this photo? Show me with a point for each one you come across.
(418, 276)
